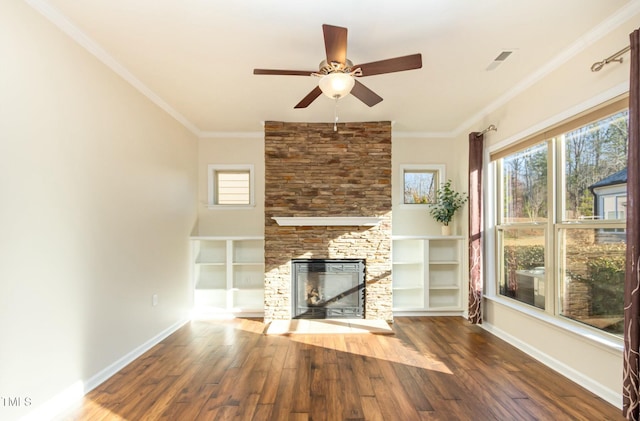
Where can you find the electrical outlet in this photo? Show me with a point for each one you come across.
(154, 300)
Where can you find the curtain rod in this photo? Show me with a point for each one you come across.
(595, 67)
(492, 127)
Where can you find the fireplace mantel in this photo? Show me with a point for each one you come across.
(327, 221)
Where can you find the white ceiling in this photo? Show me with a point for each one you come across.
(195, 58)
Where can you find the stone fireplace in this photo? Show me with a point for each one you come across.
(327, 196)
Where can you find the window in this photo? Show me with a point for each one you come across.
(560, 227)
(523, 233)
(231, 186)
(420, 183)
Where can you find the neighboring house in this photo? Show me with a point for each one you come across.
(610, 196)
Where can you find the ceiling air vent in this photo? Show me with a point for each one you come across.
(498, 60)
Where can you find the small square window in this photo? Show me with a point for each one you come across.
(231, 186)
(420, 184)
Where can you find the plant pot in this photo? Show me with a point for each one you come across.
(446, 230)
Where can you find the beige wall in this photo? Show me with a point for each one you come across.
(405, 150)
(567, 88)
(450, 152)
(98, 193)
(227, 151)
(566, 91)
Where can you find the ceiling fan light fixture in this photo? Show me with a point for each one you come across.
(336, 85)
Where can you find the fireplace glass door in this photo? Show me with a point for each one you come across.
(328, 288)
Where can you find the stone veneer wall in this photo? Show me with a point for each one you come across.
(312, 170)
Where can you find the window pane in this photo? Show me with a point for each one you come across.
(592, 281)
(596, 169)
(420, 186)
(524, 185)
(523, 274)
(232, 187)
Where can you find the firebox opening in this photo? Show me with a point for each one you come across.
(328, 288)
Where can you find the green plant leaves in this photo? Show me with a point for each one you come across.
(448, 201)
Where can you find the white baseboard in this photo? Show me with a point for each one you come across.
(56, 407)
(112, 369)
(611, 396)
(426, 313)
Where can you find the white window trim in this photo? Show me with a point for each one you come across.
(212, 168)
(490, 242)
(440, 168)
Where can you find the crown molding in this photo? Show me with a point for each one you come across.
(598, 32)
(230, 135)
(605, 27)
(75, 33)
(255, 135)
(424, 135)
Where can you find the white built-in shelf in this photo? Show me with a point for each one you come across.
(228, 274)
(327, 221)
(427, 273)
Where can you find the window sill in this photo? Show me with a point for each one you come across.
(592, 336)
(414, 206)
(229, 207)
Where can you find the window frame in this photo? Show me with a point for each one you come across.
(439, 169)
(547, 226)
(213, 169)
(555, 223)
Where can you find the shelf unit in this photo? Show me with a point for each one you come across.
(427, 274)
(228, 275)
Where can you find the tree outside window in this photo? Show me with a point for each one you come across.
(586, 239)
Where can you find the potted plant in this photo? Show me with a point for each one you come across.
(448, 201)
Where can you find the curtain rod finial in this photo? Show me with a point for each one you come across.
(491, 127)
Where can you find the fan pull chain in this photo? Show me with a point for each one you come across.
(335, 115)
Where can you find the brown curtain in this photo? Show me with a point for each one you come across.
(476, 147)
(631, 379)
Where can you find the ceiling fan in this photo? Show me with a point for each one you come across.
(338, 73)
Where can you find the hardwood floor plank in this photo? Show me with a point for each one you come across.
(272, 380)
(390, 408)
(433, 368)
(247, 408)
(334, 403)
(457, 410)
(362, 376)
(416, 393)
(172, 392)
(349, 392)
(319, 403)
(189, 407)
(371, 408)
(142, 400)
(302, 401)
(262, 413)
(539, 410)
(283, 404)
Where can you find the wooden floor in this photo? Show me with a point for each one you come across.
(436, 368)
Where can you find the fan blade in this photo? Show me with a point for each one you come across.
(335, 43)
(311, 96)
(365, 94)
(282, 72)
(398, 64)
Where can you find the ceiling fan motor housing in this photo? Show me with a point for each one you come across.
(333, 67)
